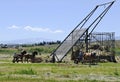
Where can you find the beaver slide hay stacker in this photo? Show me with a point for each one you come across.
(62, 50)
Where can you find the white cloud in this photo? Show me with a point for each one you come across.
(58, 31)
(38, 29)
(13, 27)
(35, 29)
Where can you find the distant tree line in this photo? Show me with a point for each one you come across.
(28, 45)
(42, 43)
(48, 43)
(3, 45)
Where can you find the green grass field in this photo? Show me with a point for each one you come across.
(58, 72)
(54, 72)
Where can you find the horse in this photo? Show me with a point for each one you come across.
(30, 56)
(37, 60)
(18, 57)
(89, 58)
(79, 57)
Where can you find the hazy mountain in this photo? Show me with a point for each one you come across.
(117, 38)
(34, 40)
(25, 41)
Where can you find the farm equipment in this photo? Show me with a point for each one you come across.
(81, 36)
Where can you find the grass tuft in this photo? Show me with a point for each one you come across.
(1, 74)
(26, 71)
(116, 73)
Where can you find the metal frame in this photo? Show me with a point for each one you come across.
(81, 25)
(105, 40)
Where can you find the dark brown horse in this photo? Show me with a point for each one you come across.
(37, 60)
(30, 57)
(19, 57)
(89, 58)
(78, 56)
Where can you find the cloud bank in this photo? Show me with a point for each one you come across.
(35, 29)
(13, 27)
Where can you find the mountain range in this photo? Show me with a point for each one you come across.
(34, 40)
(26, 41)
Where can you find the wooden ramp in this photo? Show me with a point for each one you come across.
(68, 44)
(117, 58)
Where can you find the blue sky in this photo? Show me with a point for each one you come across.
(50, 19)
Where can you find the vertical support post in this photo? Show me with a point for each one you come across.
(113, 44)
(86, 41)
